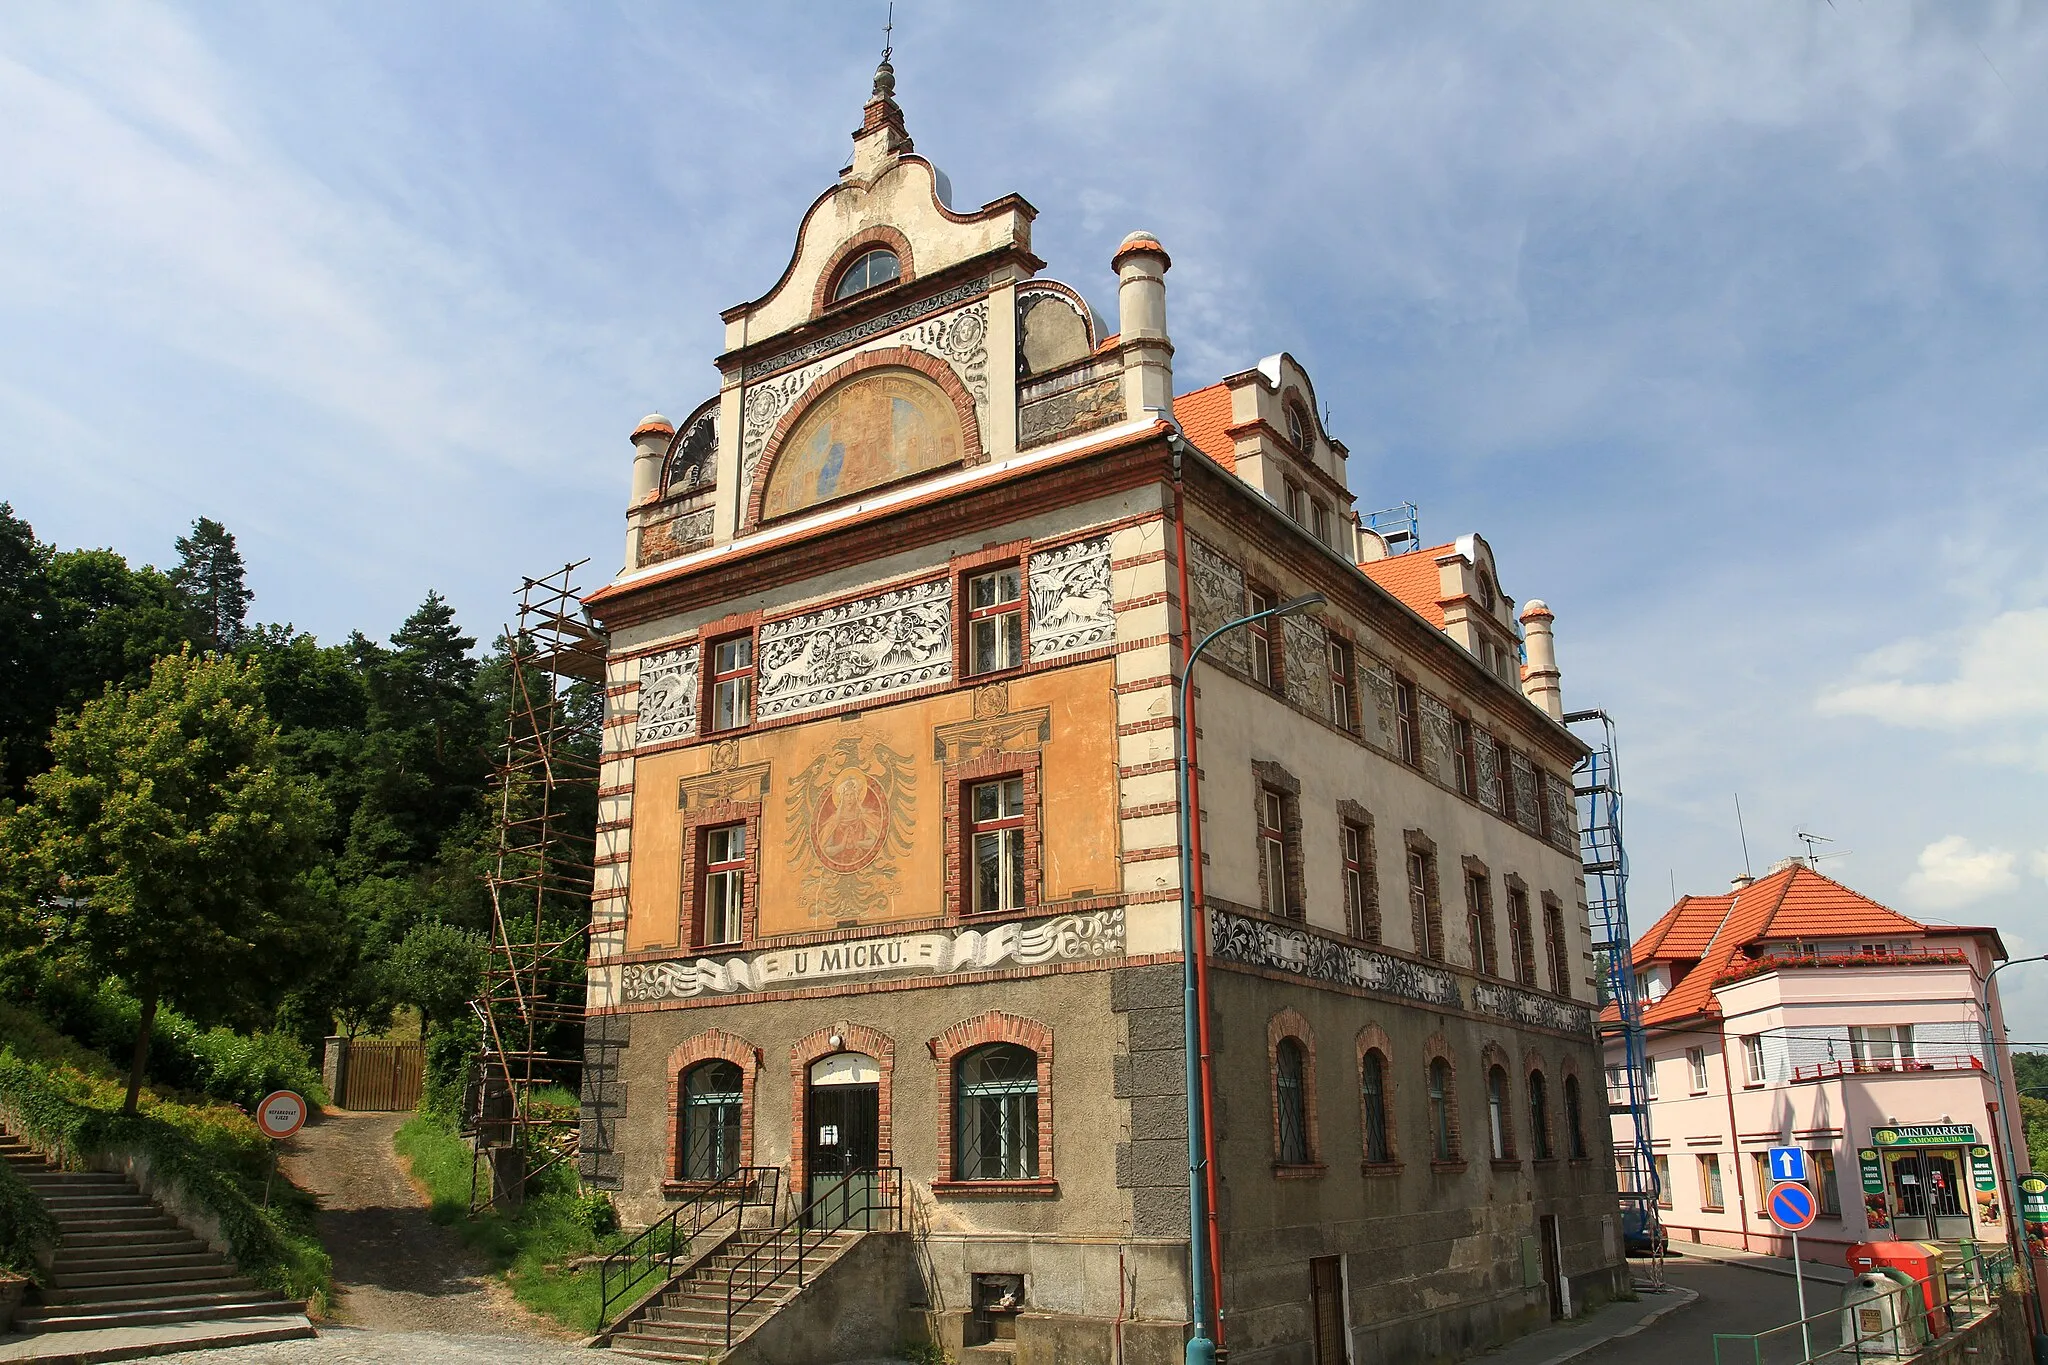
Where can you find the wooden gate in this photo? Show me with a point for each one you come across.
(382, 1076)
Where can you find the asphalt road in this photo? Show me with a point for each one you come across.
(1732, 1299)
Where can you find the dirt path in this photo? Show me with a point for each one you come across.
(394, 1268)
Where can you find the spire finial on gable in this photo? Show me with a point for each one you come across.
(883, 115)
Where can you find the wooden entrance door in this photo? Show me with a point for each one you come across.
(1326, 1309)
(1552, 1240)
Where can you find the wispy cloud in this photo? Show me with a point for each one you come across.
(1954, 873)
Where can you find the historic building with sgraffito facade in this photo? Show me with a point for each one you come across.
(888, 856)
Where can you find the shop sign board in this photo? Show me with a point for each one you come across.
(1982, 1171)
(2034, 1198)
(1876, 1209)
(1926, 1135)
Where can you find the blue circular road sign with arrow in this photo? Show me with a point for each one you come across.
(1791, 1206)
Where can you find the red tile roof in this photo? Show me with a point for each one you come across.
(1713, 931)
(1204, 418)
(1413, 580)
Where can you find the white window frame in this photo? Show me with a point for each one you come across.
(1696, 1063)
(725, 884)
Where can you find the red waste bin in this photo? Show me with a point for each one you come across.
(1919, 1262)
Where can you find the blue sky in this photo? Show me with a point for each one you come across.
(1723, 322)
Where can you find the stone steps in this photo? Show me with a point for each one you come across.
(688, 1322)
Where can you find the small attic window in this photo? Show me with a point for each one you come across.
(1297, 430)
(870, 270)
(1485, 591)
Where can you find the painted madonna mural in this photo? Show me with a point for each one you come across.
(872, 430)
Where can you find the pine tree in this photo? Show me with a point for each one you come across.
(209, 577)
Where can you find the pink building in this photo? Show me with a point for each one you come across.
(1794, 1012)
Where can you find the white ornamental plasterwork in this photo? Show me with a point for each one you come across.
(1217, 588)
(1436, 737)
(668, 696)
(765, 404)
(1527, 814)
(1379, 681)
(1306, 668)
(871, 957)
(960, 339)
(1071, 608)
(1526, 1007)
(894, 640)
(1302, 952)
(1564, 825)
(1488, 756)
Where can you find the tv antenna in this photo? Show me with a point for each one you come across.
(1813, 855)
(889, 32)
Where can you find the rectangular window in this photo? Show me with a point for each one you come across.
(1505, 768)
(1760, 1164)
(1426, 916)
(725, 884)
(995, 621)
(1319, 520)
(1753, 1057)
(1521, 936)
(1649, 1078)
(1479, 923)
(1361, 917)
(1710, 1183)
(1827, 1190)
(1543, 781)
(1261, 638)
(1662, 1165)
(1883, 1045)
(1617, 1084)
(1294, 500)
(1696, 1063)
(1404, 722)
(1273, 854)
(732, 683)
(1556, 945)
(996, 814)
(1461, 756)
(1340, 685)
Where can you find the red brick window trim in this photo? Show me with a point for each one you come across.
(1500, 1106)
(815, 1047)
(1361, 872)
(729, 683)
(994, 638)
(1262, 640)
(1379, 1135)
(699, 827)
(963, 826)
(1425, 900)
(1521, 930)
(1440, 1087)
(880, 237)
(1541, 1104)
(1343, 686)
(1571, 1096)
(711, 1045)
(1479, 926)
(947, 1050)
(1291, 1060)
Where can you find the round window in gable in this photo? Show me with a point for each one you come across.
(1297, 430)
(870, 270)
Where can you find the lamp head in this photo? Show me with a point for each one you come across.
(1302, 603)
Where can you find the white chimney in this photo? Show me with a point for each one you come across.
(1141, 265)
(1539, 677)
(650, 447)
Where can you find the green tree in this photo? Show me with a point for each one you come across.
(29, 648)
(436, 969)
(209, 578)
(167, 845)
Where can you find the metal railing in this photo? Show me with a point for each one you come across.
(662, 1243)
(1969, 1292)
(1875, 1066)
(870, 1199)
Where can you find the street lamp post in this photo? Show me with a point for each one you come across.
(1201, 1348)
(2015, 1224)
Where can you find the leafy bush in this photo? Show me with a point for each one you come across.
(452, 1049)
(25, 1225)
(213, 1153)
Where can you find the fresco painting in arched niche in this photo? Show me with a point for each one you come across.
(872, 430)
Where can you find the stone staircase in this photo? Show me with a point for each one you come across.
(687, 1322)
(122, 1262)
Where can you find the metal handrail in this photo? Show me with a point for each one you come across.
(1971, 1289)
(1877, 1066)
(885, 1182)
(660, 1242)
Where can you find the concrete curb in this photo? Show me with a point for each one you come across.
(1681, 1298)
(1816, 1272)
(91, 1347)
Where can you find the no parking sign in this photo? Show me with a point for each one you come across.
(282, 1113)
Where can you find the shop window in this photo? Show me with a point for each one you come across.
(995, 621)
(1372, 1080)
(1443, 1098)
(1340, 687)
(732, 682)
(1290, 1089)
(1521, 935)
(713, 1102)
(1696, 1067)
(996, 817)
(995, 1125)
(1574, 1120)
(1479, 922)
(1710, 1183)
(725, 886)
(1500, 1116)
(1539, 1116)
(869, 270)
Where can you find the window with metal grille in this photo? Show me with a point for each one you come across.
(732, 682)
(870, 270)
(995, 1124)
(1479, 922)
(1443, 1133)
(1340, 686)
(1361, 915)
(1539, 1116)
(712, 1099)
(1500, 1119)
(1261, 638)
(995, 621)
(1521, 936)
(1372, 1080)
(1574, 1120)
(1290, 1091)
(1273, 853)
(996, 813)
(725, 884)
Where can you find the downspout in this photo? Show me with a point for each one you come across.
(1201, 944)
(1734, 1139)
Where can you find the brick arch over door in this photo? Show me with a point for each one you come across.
(711, 1045)
(890, 357)
(816, 1046)
(993, 1027)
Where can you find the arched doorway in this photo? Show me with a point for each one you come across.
(842, 1135)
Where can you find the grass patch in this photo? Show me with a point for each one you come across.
(534, 1249)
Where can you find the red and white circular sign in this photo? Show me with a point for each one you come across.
(282, 1113)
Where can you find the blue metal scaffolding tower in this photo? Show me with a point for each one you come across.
(1597, 786)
